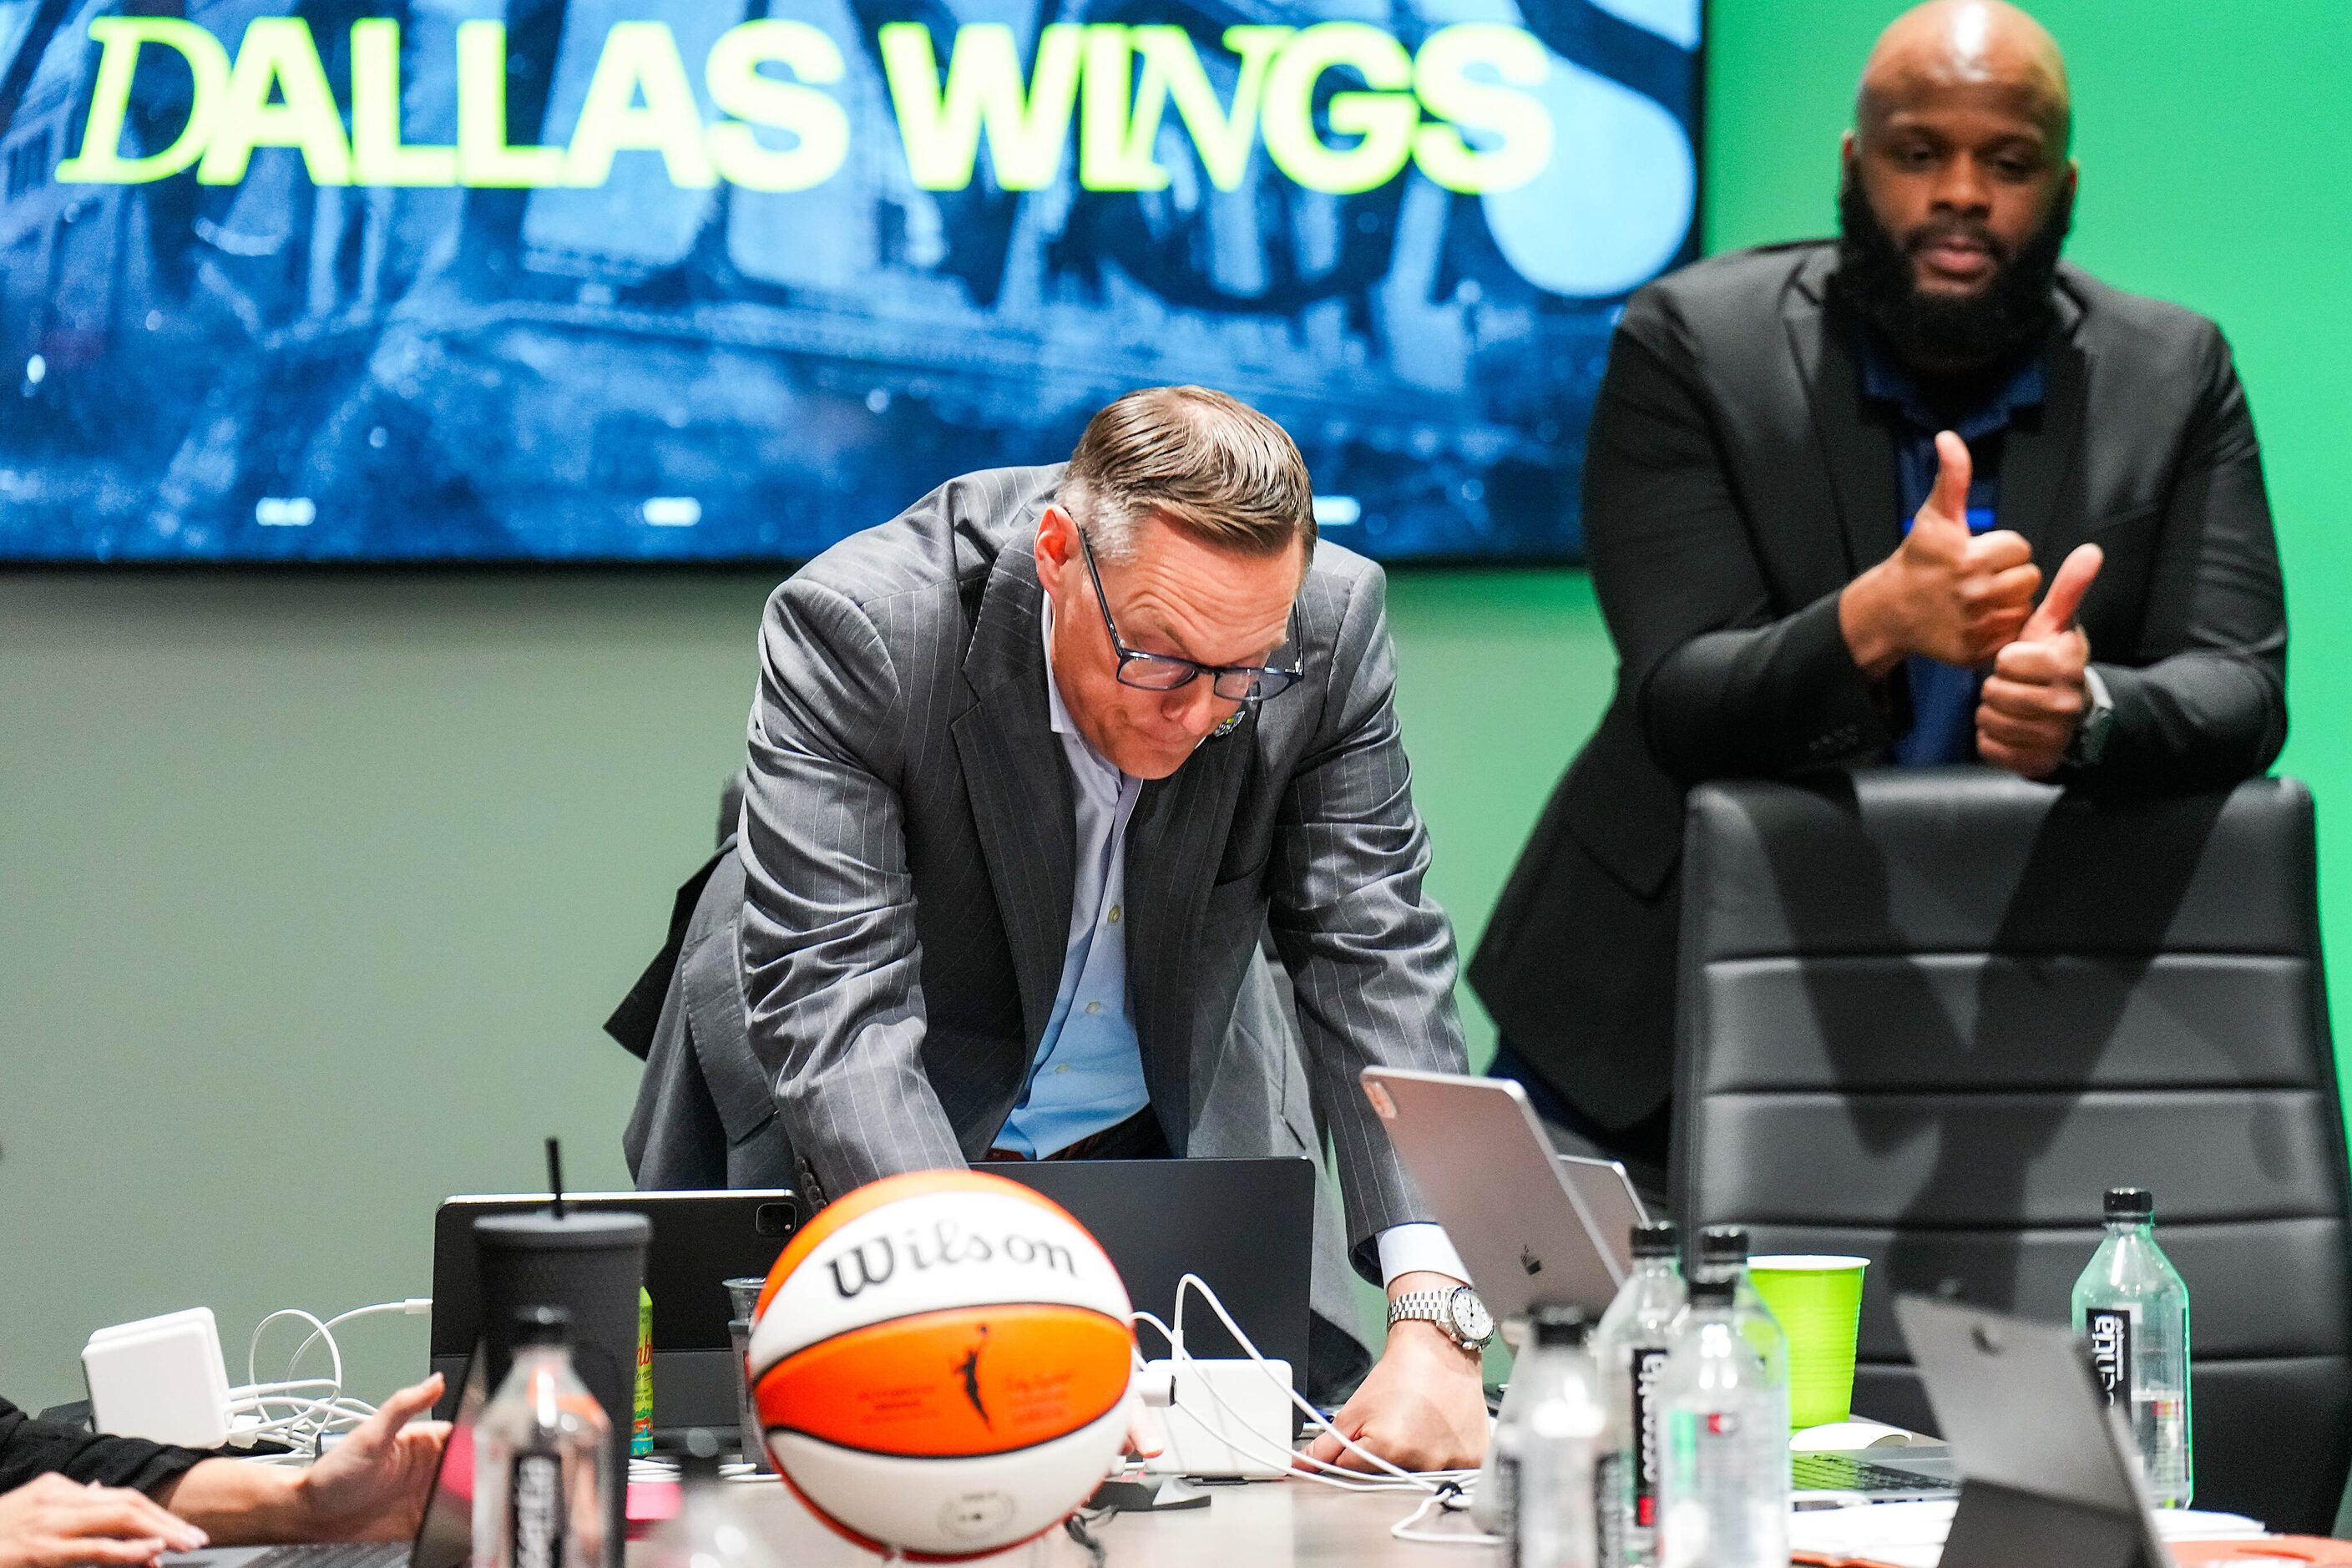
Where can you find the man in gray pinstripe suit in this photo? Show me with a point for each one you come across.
(1033, 766)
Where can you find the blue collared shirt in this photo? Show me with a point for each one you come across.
(1944, 696)
(1089, 1070)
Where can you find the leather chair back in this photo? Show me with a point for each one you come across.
(1929, 1017)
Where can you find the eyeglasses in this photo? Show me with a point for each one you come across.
(1165, 673)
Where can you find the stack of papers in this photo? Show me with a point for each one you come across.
(1911, 1534)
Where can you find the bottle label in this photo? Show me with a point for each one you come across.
(1649, 1365)
(641, 1426)
(2109, 1329)
(535, 1516)
(1505, 1482)
(1608, 1509)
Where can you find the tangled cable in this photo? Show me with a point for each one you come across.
(299, 1412)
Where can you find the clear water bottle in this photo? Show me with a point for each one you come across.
(1722, 1490)
(1548, 1467)
(1723, 1249)
(542, 1458)
(710, 1530)
(1630, 1346)
(2132, 1309)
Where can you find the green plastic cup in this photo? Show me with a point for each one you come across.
(1818, 1299)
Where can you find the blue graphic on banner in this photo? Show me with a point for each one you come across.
(651, 280)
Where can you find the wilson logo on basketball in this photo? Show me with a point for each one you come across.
(873, 1261)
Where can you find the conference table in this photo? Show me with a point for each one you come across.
(1256, 1524)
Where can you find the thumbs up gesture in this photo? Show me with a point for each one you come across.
(1944, 594)
(2034, 699)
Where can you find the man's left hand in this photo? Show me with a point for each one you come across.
(1423, 1406)
(2035, 698)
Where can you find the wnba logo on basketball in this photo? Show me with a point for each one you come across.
(874, 1262)
(940, 1361)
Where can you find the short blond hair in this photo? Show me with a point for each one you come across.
(1201, 461)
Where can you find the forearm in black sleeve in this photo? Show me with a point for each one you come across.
(30, 1448)
(1723, 684)
(2200, 702)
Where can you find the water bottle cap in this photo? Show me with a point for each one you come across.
(542, 1326)
(1715, 1290)
(1560, 1326)
(1656, 1238)
(697, 1452)
(2130, 1203)
(1721, 1244)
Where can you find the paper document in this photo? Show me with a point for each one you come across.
(1911, 1534)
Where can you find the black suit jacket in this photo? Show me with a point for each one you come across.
(1734, 483)
(30, 1448)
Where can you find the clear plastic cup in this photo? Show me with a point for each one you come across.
(743, 1298)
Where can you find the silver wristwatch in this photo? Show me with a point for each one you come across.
(2090, 741)
(1458, 1311)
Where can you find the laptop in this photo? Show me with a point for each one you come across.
(2028, 1427)
(700, 1239)
(1246, 1226)
(1534, 1229)
(444, 1531)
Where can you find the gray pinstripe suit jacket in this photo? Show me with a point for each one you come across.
(908, 846)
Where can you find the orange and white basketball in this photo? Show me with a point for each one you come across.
(941, 1363)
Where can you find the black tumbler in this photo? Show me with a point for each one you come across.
(592, 1266)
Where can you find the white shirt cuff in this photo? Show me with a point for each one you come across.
(1413, 1249)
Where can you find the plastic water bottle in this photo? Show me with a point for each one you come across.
(1723, 1249)
(1722, 1490)
(1548, 1465)
(542, 1458)
(2132, 1309)
(710, 1530)
(1631, 1347)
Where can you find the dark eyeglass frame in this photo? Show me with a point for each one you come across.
(1259, 681)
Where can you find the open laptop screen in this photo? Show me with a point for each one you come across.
(445, 1535)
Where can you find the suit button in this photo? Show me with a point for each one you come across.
(1093, 1008)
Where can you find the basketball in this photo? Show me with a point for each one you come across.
(940, 1361)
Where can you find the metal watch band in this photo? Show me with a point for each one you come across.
(1429, 1307)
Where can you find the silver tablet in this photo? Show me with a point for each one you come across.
(1534, 1229)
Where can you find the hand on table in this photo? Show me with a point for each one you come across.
(1423, 1406)
(52, 1522)
(1944, 594)
(2035, 698)
(372, 1486)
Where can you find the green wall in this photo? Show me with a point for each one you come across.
(314, 888)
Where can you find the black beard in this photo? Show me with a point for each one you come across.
(1937, 333)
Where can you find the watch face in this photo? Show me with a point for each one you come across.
(1472, 1323)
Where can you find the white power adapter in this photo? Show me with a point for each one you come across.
(161, 1379)
(1221, 1419)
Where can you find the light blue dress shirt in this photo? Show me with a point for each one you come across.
(1088, 1075)
(1089, 1070)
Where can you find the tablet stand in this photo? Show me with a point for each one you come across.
(1995, 1527)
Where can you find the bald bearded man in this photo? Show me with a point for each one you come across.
(1923, 495)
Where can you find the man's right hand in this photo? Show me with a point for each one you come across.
(52, 1522)
(1944, 594)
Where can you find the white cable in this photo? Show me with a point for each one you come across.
(1288, 1461)
(293, 1410)
(1194, 1281)
(1321, 1470)
(1404, 1528)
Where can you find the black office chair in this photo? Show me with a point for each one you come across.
(1929, 1017)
